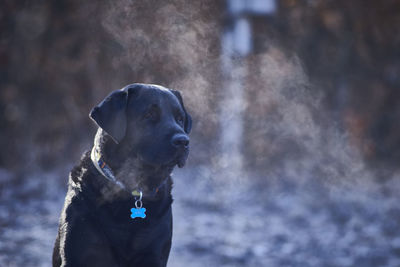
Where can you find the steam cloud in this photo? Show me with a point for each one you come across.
(287, 128)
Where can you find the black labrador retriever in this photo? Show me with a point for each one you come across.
(117, 210)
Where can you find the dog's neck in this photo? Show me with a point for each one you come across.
(125, 169)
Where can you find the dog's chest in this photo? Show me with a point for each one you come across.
(139, 236)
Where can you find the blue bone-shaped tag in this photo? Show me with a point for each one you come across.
(138, 213)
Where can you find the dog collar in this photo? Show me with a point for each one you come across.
(106, 171)
(103, 168)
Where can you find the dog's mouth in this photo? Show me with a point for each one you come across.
(177, 158)
(181, 158)
(178, 161)
(181, 163)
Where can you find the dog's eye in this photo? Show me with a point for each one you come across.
(151, 114)
(179, 119)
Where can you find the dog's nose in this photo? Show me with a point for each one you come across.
(180, 140)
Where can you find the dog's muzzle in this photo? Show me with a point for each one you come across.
(181, 143)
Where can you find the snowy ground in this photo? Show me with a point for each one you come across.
(229, 224)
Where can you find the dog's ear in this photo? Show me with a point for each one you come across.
(188, 118)
(110, 114)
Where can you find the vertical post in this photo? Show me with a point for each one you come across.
(236, 44)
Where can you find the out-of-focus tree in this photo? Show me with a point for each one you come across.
(350, 49)
(59, 58)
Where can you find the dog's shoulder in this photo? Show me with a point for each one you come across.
(79, 171)
(76, 204)
(77, 222)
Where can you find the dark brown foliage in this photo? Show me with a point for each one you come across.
(59, 58)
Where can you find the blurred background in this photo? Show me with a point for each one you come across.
(295, 143)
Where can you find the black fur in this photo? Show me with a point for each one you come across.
(142, 149)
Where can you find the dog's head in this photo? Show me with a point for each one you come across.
(148, 122)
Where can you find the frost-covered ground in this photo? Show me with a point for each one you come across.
(241, 223)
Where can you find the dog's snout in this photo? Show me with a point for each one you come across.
(180, 140)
